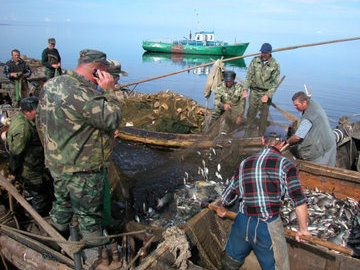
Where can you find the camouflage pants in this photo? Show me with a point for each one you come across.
(52, 72)
(227, 118)
(256, 105)
(80, 194)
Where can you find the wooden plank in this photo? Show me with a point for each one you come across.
(46, 226)
(341, 182)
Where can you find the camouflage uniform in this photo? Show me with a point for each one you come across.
(27, 161)
(77, 124)
(231, 96)
(20, 67)
(262, 80)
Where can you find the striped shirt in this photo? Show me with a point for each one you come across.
(262, 182)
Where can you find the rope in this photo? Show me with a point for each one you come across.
(177, 244)
(241, 57)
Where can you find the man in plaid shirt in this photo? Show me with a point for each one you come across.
(261, 184)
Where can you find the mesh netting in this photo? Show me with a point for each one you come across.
(163, 112)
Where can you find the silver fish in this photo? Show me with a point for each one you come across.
(165, 200)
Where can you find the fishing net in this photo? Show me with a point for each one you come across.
(210, 243)
(163, 112)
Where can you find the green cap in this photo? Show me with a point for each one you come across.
(51, 40)
(115, 68)
(93, 56)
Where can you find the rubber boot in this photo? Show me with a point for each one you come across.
(63, 229)
(92, 254)
(228, 263)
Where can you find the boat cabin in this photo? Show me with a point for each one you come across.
(205, 36)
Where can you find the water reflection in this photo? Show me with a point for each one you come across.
(190, 60)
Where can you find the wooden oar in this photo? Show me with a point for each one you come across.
(46, 226)
(239, 57)
(291, 233)
(290, 117)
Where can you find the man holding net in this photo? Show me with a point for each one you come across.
(260, 185)
(228, 102)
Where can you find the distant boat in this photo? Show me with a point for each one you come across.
(204, 43)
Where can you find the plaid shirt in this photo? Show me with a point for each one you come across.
(262, 182)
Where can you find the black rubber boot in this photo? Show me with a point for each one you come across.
(228, 263)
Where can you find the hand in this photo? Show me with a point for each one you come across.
(11, 177)
(238, 120)
(245, 93)
(13, 74)
(264, 98)
(227, 107)
(105, 80)
(301, 233)
(221, 211)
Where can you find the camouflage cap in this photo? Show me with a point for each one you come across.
(93, 56)
(29, 103)
(51, 40)
(115, 68)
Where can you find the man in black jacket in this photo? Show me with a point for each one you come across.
(17, 71)
(50, 58)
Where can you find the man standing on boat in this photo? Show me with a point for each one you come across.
(17, 71)
(50, 58)
(260, 185)
(262, 78)
(314, 138)
(78, 114)
(26, 160)
(228, 101)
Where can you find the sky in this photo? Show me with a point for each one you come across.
(337, 18)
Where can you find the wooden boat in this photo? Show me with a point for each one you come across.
(207, 234)
(203, 43)
(172, 140)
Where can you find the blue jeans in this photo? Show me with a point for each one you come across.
(251, 233)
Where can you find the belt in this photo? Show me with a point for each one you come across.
(258, 89)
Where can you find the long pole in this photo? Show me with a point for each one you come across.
(288, 232)
(240, 57)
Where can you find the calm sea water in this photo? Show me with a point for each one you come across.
(333, 71)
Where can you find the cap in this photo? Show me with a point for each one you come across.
(229, 76)
(115, 68)
(265, 48)
(29, 103)
(93, 56)
(51, 40)
(275, 133)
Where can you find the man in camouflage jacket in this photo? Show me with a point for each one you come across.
(77, 115)
(262, 78)
(26, 162)
(228, 100)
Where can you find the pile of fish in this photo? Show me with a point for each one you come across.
(331, 219)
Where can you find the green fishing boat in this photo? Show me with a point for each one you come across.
(203, 43)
